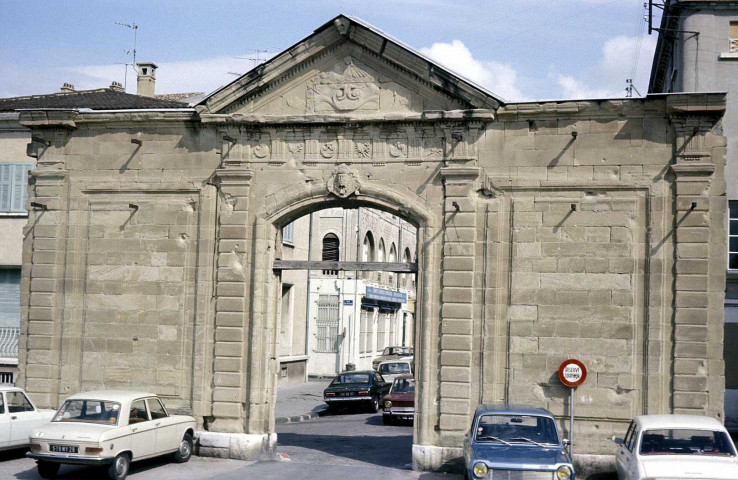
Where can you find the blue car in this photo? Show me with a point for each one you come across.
(515, 441)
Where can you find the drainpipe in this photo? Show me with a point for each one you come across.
(307, 300)
(357, 300)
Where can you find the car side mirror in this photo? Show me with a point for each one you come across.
(618, 441)
(567, 442)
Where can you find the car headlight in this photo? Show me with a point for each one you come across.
(387, 404)
(480, 469)
(563, 472)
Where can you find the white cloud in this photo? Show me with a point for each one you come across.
(498, 77)
(608, 78)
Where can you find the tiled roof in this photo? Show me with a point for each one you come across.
(100, 99)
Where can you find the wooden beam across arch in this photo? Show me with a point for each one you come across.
(396, 267)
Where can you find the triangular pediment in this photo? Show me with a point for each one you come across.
(347, 68)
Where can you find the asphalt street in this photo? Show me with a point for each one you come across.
(335, 446)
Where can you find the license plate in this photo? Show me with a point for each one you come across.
(63, 448)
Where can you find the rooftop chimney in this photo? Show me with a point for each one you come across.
(117, 87)
(146, 79)
(67, 87)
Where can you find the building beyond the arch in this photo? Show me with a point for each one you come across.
(545, 231)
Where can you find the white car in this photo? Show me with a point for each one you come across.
(391, 369)
(676, 447)
(18, 417)
(110, 428)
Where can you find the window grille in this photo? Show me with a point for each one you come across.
(6, 378)
(327, 323)
(14, 187)
(365, 341)
(733, 236)
(381, 331)
(733, 37)
(288, 233)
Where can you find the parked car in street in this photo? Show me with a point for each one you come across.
(392, 353)
(391, 369)
(356, 388)
(676, 447)
(510, 441)
(18, 417)
(399, 403)
(110, 428)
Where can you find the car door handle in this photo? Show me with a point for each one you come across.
(134, 429)
(14, 417)
(157, 423)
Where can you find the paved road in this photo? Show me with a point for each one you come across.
(334, 447)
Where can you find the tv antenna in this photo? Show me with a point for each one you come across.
(133, 27)
(630, 87)
(257, 58)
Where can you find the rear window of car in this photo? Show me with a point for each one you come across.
(352, 378)
(403, 385)
(524, 429)
(89, 411)
(394, 368)
(685, 442)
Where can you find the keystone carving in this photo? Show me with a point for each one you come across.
(344, 182)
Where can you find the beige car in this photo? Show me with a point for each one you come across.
(110, 428)
(18, 417)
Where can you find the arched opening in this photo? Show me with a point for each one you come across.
(344, 319)
(330, 251)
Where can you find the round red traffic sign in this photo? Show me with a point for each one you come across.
(572, 373)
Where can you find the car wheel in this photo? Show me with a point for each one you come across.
(118, 470)
(48, 469)
(374, 406)
(184, 452)
(387, 419)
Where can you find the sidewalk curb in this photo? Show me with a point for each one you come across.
(318, 412)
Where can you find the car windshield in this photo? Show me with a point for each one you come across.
(685, 442)
(404, 351)
(403, 385)
(352, 378)
(394, 368)
(89, 411)
(523, 429)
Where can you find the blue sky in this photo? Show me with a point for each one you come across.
(519, 49)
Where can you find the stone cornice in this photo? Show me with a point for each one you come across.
(49, 118)
(689, 104)
(693, 169)
(479, 115)
(233, 177)
(460, 174)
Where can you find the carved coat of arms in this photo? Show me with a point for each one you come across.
(344, 182)
(355, 89)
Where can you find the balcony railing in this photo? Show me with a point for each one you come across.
(9, 342)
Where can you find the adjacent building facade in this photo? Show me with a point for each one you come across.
(156, 252)
(698, 51)
(348, 317)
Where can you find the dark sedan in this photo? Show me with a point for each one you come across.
(362, 388)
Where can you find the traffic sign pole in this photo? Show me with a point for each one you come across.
(572, 373)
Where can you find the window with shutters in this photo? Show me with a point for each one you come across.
(382, 331)
(330, 252)
(733, 236)
(365, 340)
(288, 234)
(327, 324)
(733, 37)
(14, 187)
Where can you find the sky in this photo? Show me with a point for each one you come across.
(521, 50)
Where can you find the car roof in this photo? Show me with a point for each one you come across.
(358, 371)
(112, 395)
(403, 376)
(678, 421)
(399, 360)
(10, 388)
(506, 408)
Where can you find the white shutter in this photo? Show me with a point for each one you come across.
(20, 187)
(5, 189)
(10, 297)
